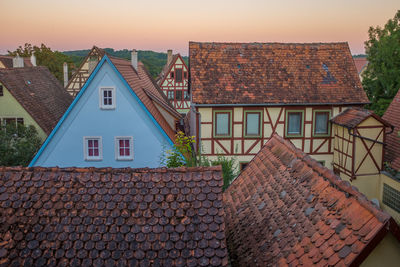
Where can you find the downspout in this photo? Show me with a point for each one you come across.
(369, 139)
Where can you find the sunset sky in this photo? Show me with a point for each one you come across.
(160, 25)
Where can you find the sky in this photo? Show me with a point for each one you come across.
(159, 25)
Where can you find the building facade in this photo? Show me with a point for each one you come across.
(243, 93)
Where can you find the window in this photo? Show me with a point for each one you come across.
(186, 95)
(321, 122)
(179, 95)
(93, 148)
(178, 75)
(172, 75)
(1, 90)
(391, 197)
(8, 121)
(124, 148)
(185, 75)
(253, 124)
(222, 123)
(322, 162)
(171, 95)
(294, 123)
(20, 121)
(107, 98)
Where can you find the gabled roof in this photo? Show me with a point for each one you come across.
(38, 92)
(112, 217)
(167, 67)
(286, 208)
(352, 117)
(273, 73)
(94, 51)
(8, 61)
(154, 92)
(392, 115)
(361, 63)
(141, 83)
(135, 83)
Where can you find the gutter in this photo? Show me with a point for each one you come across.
(366, 138)
(276, 104)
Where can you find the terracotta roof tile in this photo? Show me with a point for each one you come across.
(352, 117)
(259, 73)
(39, 92)
(111, 217)
(361, 63)
(286, 209)
(392, 115)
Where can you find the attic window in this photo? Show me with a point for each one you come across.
(172, 75)
(107, 98)
(1, 90)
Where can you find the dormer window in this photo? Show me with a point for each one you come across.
(107, 97)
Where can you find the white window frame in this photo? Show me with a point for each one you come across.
(117, 156)
(85, 148)
(113, 97)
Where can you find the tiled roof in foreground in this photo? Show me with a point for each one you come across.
(274, 73)
(111, 217)
(287, 209)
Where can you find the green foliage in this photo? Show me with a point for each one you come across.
(18, 145)
(381, 79)
(53, 60)
(182, 154)
(153, 61)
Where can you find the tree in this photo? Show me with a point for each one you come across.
(381, 79)
(53, 60)
(18, 145)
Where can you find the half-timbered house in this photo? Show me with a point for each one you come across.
(173, 80)
(80, 76)
(242, 93)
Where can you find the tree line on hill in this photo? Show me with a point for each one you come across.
(381, 79)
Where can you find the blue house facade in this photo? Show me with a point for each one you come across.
(111, 123)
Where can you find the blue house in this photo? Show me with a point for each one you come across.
(120, 118)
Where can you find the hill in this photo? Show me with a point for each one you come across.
(153, 61)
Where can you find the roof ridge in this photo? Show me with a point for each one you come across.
(112, 170)
(334, 180)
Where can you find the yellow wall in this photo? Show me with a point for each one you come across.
(386, 253)
(277, 117)
(10, 108)
(368, 166)
(392, 183)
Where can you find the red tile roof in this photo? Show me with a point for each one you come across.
(8, 61)
(39, 92)
(140, 82)
(287, 209)
(392, 115)
(264, 73)
(361, 63)
(352, 117)
(112, 217)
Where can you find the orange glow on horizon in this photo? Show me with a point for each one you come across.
(160, 25)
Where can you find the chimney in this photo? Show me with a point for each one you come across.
(169, 56)
(134, 59)
(18, 62)
(65, 68)
(33, 59)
